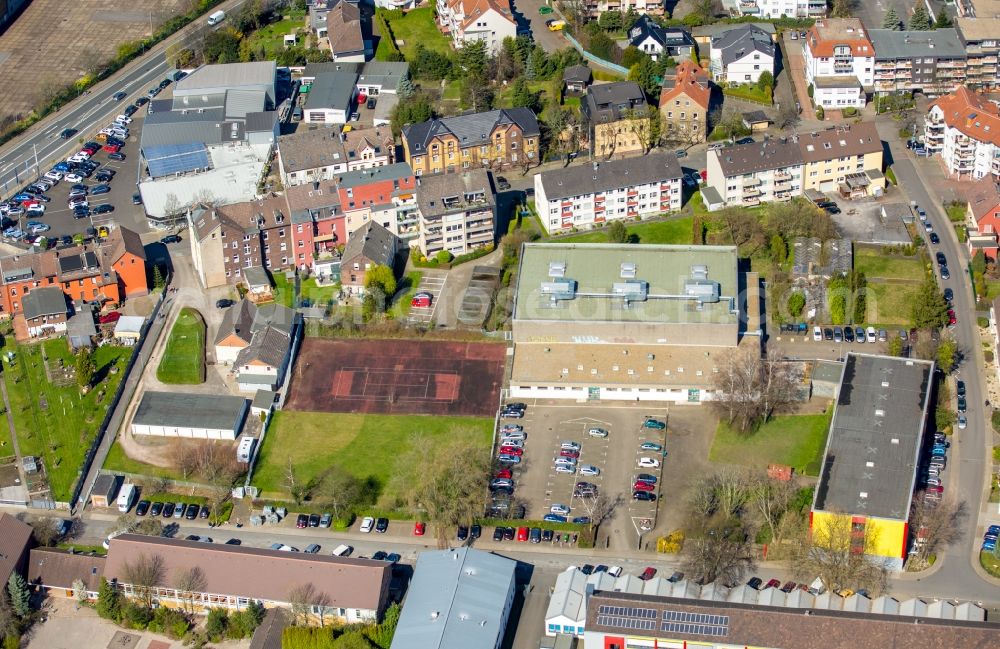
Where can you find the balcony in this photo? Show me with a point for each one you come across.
(781, 176)
(751, 182)
(751, 191)
(782, 196)
(750, 201)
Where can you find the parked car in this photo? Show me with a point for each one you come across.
(156, 509)
(597, 432)
(655, 424)
(418, 528)
(223, 303)
(559, 509)
(421, 300)
(589, 470)
(302, 521)
(118, 156)
(648, 462)
(755, 583)
(644, 495)
(650, 446)
(554, 518)
(522, 534)
(142, 508)
(648, 573)
(381, 525)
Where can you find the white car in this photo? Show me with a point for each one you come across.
(562, 510)
(73, 178)
(53, 175)
(962, 422)
(615, 571)
(597, 432)
(817, 334)
(123, 119)
(367, 524)
(569, 446)
(649, 462)
(589, 469)
(871, 335)
(565, 468)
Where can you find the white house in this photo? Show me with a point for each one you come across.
(466, 21)
(330, 99)
(964, 127)
(258, 342)
(195, 416)
(649, 37)
(840, 62)
(741, 54)
(567, 610)
(582, 196)
(778, 8)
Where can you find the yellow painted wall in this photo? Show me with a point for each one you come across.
(889, 536)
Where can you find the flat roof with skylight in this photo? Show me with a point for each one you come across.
(871, 458)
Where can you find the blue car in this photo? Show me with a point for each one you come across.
(937, 452)
(582, 520)
(24, 197)
(554, 518)
(994, 529)
(62, 166)
(989, 545)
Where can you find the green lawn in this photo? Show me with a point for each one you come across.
(272, 37)
(676, 231)
(876, 263)
(452, 91)
(504, 99)
(889, 303)
(314, 294)
(795, 440)
(409, 285)
(183, 362)
(57, 422)
(365, 445)
(118, 461)
(284, 291)
(417, 26)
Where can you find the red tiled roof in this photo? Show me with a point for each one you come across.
(831, 32)
(971, 113)
(690, 79)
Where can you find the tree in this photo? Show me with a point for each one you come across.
(185, 457)
(381, 635)
(158, 281)
(411, 110)
(600, 509)
(189, 581)
(79, 591)
(842, 8)
(222, 46)
(796, 302)
(45, 531)
(477, 92)
(718, 549)
(340, 492)
(943, 20)
(770, 499)
(351, 640)
(703, 13)
(859, 287)
(891, 20)
(631, 56)
(779, 249)
(85, 367)
(929, 309)
(840, 555)
(216, 623)
(382, 278)
(749, 389)
(743, 228)
(20, 594)
(920, 20)
(644, 73)
(935, 525)
(144, 575)
(109, 601)
(180, 57)
(729, 122)
(895, 345)
(473, 58)
(610, 21)
(521, 95)
(946, 355)
(788, 117)
(617, 233)
(303, 597)
(765, 81)
(430, 65)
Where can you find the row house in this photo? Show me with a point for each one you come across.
(964, 128)
(616, 120)
(319, 154)
(846, 159)
(457, 212)
(385, 195)
(497, 140)
(778, 8)
(982, 218)
(467, 21)
(839, 61)
(105, 272)
(316, 207)
(587, 196)
(370, 246)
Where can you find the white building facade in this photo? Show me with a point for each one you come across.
(964, 128)
(779, 8)
(467, 21)
(836, 52)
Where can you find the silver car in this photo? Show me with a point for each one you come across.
(597, 432)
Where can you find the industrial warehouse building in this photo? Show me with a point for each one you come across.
(197, 416)
(872, 455)
(628, 322)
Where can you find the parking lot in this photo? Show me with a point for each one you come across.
(432, 284)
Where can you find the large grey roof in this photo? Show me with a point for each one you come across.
(432, 189)
(742, 40)
(332, 90)
(395, 171)
(458, 598)
(261, 121)
(239, 102)
(386, 74)
(870, 463)
(939, 43)
(578, 73)
(609, 100)
(46, 301)
(313, 70)
(190, 410)
(757, 156)
(646, 27)
(715, 29)
(611, 174)
(228, 75)
(372, 241)
(269, 346)
(472, 129)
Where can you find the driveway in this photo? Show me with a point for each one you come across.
(431, 282)
(531, 22)
(795, 71)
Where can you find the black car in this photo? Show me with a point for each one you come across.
(498, 534)
(476, 531)
(832, 209)
(755, 583)
(313, 520)
(935, 239)
(379, 556)
(137, 199)
(941, 259)
(168, 510)
(80, 213)
(192, 512)
(170, 238)
(508, 534)
(204, 512)
(119, 156)
(91, 145)
(547, 536)
(381, 525)
(961, 404)
(118, 96)
(463, 533)
(103, 176)
(141, 101)
(100, 189)
(849, 334)
(142, 508)
(104, 209)
(643, 495)
(156, 509)
(949, 295)
(828, 334)
(587, 569)
(371, 103)
(223, 303)
(234, 542)
(180, 74)
(601, 568)
(961, 388)
(129, 110)
(67, 133)
(502, 183)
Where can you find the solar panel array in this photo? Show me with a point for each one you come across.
(176, 158)
(695, 623)
(626, 617)
(625, 611)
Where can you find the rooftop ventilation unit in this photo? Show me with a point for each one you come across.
(560, 289)
(699, 272)
(628, 270)
(632, 291)
(703, 290)
(557, 268)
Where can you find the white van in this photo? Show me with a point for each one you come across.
(343, 550)
(216, 18)
(126, 496)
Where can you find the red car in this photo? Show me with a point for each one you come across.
(648, 574)
(935, 489)
(112, 148)
(569, 453)
(109, 317)
(512, 450)
(504, 473)
(774, 583)
(643, 486)
(419, 528)
(522, 534)
(89, 150)
(422, 299)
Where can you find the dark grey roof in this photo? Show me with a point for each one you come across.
(646, 27)
(716, 29)
(385, 74)
(939, 44)
(270, 345)
(81, 325)
(262, 121)
(577, 74)
(742, 40)
(395, 171)
(752, 116)
(245, 318)
(313, 70)
(263, 399)
(372, 241)
(240, 101)
(46, 301)
(107, 485)
(333, 90)
(190, 410)
(256, 276)
(742, 159)
(608, 101)
(472, 129)
(612, 174)
(469, 190)
(870, 463)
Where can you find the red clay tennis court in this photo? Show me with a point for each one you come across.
(397, 377)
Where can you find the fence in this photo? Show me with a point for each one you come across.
(614, 67)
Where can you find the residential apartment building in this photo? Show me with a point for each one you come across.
(311, 155)
(846, 159)
(777, 8)
(457, 212)
(839, 62)
(741, 54)
(585, 196)
(648, 36)
(981, 37)
(105, 272)
(467, 21)
(964, 128)
(597, 7)
(750, 174)
(684, 103)
(497, 139)
(934, 62)
(385, 195)
(982, 218)
(616, 119)
(257, 341)
(316, 207)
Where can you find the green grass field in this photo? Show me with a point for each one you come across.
(118, 461)
(272, 37)
(365, 445)
(677, 231)
(409, 285)
(795, 440)
(57, 422)
(889, 303)
(875, 263)
(417, 26)
(183, 361)
(284, 291)
(316, 295)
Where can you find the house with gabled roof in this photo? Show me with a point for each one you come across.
(257, 340)
(369, 246)
(467, 21)
(741, 54)
(655, 40)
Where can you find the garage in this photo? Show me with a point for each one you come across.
(193, 416)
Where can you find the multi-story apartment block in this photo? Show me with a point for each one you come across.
(981, 37)
(964, 127)
(741, 54)
(777, 8)
(643, 7)
(310, 155)
(457, 212)
(934, 62)
(497, 139)
(584, 196)
(839, 62)
(846, 159)
(684, 102)
(382, 194)
(650, 37)
(466, 21)
(105, 272)
(616, 119)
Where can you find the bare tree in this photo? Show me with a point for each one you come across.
(840, 554)
(770, 498)
(184, 455)
(303, 598)
(721, 550)
(339, 492)
(149, 526)
(291, 483)
(749, 388)
(645, 126)
(788, 117)
(189, 581)
(935, 525)
(45, 531)
(144, 575)
(601, 509)
(79, 591)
